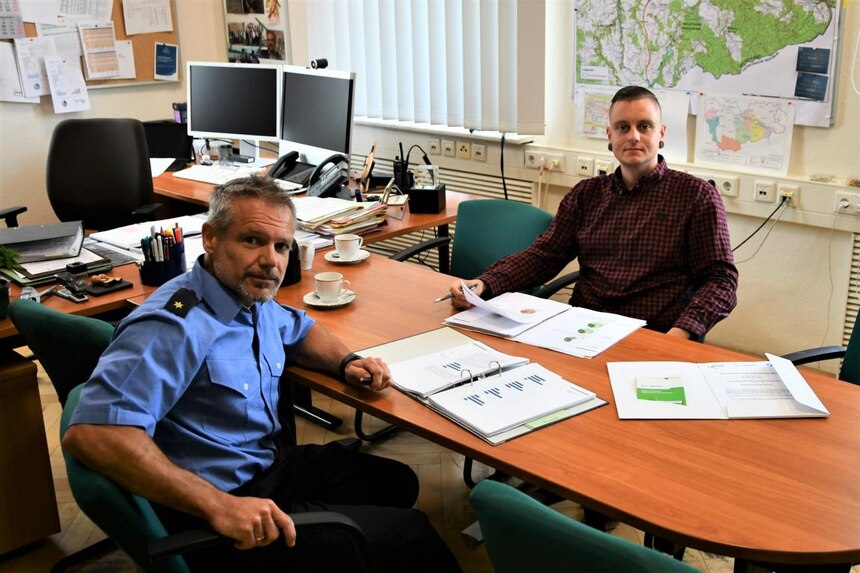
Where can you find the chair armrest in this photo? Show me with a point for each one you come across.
(10, 215)
(188, 541)
(410, 252)
(556, 285)
(815, 354)
(146, 212)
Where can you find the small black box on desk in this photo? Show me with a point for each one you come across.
(427, 199)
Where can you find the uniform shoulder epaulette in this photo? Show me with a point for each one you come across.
(182, 302)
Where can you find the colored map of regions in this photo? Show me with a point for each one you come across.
(747, 47)
(746, 132)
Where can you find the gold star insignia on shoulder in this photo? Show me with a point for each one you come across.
(182, 302)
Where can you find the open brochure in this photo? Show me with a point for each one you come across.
(545, 323)
(494, 395)
(717, 390)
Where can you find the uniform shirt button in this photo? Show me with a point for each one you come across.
(246, 386)
(278, 365)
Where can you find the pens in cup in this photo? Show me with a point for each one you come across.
(449, 295)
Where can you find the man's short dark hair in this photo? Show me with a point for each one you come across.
(632, 93)
(252, 187)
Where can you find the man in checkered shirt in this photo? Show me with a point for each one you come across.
(652, 242)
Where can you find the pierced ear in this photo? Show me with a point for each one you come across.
(609, 147)
(661, 145)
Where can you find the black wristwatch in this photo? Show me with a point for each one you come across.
(345, 362)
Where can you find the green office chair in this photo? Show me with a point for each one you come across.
(68, 347)
(487, 230)
(522, 534)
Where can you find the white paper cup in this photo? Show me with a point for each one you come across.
(347, 246)
(329, 286)
(306, 255)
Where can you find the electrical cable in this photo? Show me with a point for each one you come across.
(783, 201)
(766, 235)
(252, 144)
(502, 167)
(425, 157)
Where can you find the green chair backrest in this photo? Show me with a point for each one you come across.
(126, 518)
(68, 346)
(489, 229)
(851, 361)
(521, 534)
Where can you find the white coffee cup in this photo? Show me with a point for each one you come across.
(329, 286)
(306, 255)
(347, 246)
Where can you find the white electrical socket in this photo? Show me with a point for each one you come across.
(790, 191)
(464, 150)
(726, 185)
(585, 166)
(764, 191)
(602, 166)
(548, 161)
(434, 146)
(847, 203)
(479, 152)
(449, 148)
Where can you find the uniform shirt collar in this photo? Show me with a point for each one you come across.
(223, 301)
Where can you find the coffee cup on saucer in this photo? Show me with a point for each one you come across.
(329, 286)
(347, 246)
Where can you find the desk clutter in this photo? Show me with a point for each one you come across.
(163, 255)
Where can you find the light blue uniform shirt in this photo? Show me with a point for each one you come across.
(193, 383)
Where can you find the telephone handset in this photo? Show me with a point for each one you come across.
(329, 177)
(284, 165)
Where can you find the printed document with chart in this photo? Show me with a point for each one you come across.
(717, 390)
(545, 323)
(494, 395)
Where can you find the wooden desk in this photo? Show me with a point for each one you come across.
(170, 188)
(785, 491)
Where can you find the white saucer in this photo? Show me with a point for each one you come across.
(346, 297)
(333, 257)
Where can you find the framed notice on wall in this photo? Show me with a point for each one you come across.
(257, 31)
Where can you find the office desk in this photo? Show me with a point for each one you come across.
(170, 188)
(785, 491)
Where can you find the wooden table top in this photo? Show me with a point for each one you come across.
(771, 490)
(197, 193)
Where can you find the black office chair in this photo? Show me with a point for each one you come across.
(68, 347)
(10, 215)
(98, 172)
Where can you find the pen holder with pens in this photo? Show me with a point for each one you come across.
(156, 273)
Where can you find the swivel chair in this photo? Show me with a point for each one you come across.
(521, 534)
(850, 370)
(10, 215)
(98, 172)
(487, 230)
(68, 347)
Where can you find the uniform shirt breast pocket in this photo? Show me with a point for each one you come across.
(229, 398)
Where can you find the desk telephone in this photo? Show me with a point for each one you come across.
(327, 178)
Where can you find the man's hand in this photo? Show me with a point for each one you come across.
(370, 372)
(458, 299)
(679, 332)
(252, 522)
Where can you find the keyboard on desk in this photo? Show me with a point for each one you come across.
(214, 174)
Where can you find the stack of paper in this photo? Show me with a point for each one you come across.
(129, 237)
(545, 323)
(42, 272)
(368, 217)
(333, 216)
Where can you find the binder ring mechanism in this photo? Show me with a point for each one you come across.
(471, 379)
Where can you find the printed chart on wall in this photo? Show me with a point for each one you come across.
(786, 49)
(257, 31)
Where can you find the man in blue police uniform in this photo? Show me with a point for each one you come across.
(183, 409)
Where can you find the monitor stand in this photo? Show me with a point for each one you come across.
(250, 150)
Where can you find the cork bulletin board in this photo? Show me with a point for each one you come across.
(143, 46)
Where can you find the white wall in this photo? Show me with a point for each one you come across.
(788, 295)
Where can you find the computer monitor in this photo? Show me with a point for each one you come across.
(234, 101)
(317, 113)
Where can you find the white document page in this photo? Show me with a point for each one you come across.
(72, 11)
(58, 265)
(497, 403)
(43, 11)
(125, 56)
(159, 165)
(99, 45)
(68, 90)
(31, 53)
(146, 16)
(11, 22)
(429, 373)
(580, 332)
(319, 209)
(66, 38)
(489, 318)
(516, 306)
(701, 402)
(10, 81)
(129, 236)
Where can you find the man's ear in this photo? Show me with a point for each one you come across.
(210, 239)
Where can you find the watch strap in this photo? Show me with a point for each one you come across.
(345, 362)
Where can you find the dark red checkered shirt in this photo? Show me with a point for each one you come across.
(658, 252)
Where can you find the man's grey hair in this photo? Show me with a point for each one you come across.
(252, 187)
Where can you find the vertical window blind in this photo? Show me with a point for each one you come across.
(477, 64)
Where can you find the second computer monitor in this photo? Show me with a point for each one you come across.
(317, 113)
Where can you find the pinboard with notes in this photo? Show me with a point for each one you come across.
(143, 46)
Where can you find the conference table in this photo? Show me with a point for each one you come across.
(778, 490)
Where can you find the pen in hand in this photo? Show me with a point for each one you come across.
(450, 296)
